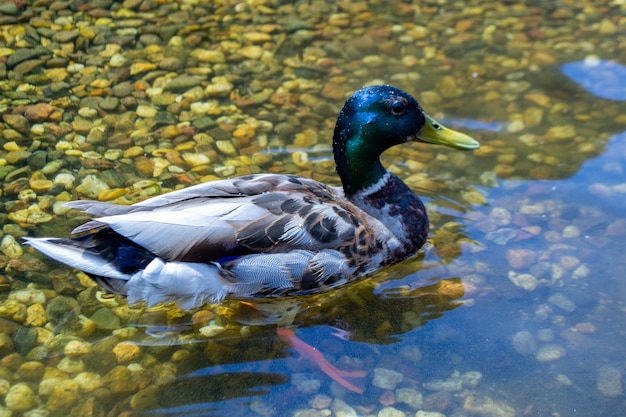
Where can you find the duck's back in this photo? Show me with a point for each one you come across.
(260, 234)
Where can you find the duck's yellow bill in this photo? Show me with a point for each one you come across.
(435, 132)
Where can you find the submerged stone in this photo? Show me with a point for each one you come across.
(386, 378)
(609, 381)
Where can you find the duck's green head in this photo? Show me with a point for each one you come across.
(373, 120)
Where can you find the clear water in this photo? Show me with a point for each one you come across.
(537, 205)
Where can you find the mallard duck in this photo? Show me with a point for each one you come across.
(268, 234)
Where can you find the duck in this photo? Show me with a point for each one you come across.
(266, 235)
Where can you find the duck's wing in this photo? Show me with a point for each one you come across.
(218, 220)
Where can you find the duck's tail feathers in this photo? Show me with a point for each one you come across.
(69, 252)
(189, 284)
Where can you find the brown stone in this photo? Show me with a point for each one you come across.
(520, 258)
(38, 112)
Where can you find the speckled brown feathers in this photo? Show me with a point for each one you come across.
(267, 234)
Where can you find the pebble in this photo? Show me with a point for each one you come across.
(562, 302)
(38, 112)
(305, 384)
(36, 316)
(31, 371)
(341, 409)
(28, 296)
(609, 381)
(207, 55)
(20, 398)
(64, 395)
(262, 408)
(226, 147)
(320, 401)
(390, 412)
(524, 343)
(17, 122)
(71, 365)
(550, 353)
(88, 381)
(91, 186)
(545, 335)
(409, 396)
(422, 413)
(524, 281)
(145, 111)
(488, 407)
(183, 83)
(219, 87)
(145, 398)
(126, 352)
(520, 258)
(211, 330)
(560, 133)
(386, 378)
(77, 348)
(10, 247)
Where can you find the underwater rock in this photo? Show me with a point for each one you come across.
(262, 408)
(411, 353)
(10, 247)
(524, 281)
(145, 398)
(31, 370)
(20, 398)
(524, 343)
(305, 383)
(386, 378)
(71, 365)
(520, 258)
(211, 330)
(409, 396)
(64, 395)
(126, 352)
(341, 409)
(488, 407)
(88, 381)
(320, 401)
(104, 318)
(550, 353)
(609, 381)
(562, 302)
(390, 412)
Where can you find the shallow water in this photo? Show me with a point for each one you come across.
(516, 306)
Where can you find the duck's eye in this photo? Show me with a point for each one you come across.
(398, 107)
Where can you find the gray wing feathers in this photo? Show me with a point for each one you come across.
(191, 284)
(284, 271)
(98, 208)
(286, 234)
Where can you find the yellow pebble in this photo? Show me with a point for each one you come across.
(40, 186)
(111, 194)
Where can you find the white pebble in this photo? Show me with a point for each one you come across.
(117, 61)
(66, 179)
(524, 343)
(145, 111)
(609, 381)
(10, 247)
(211, 330)
(550, 353)
(386, 378)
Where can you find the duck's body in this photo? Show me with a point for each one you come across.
(268, 234)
